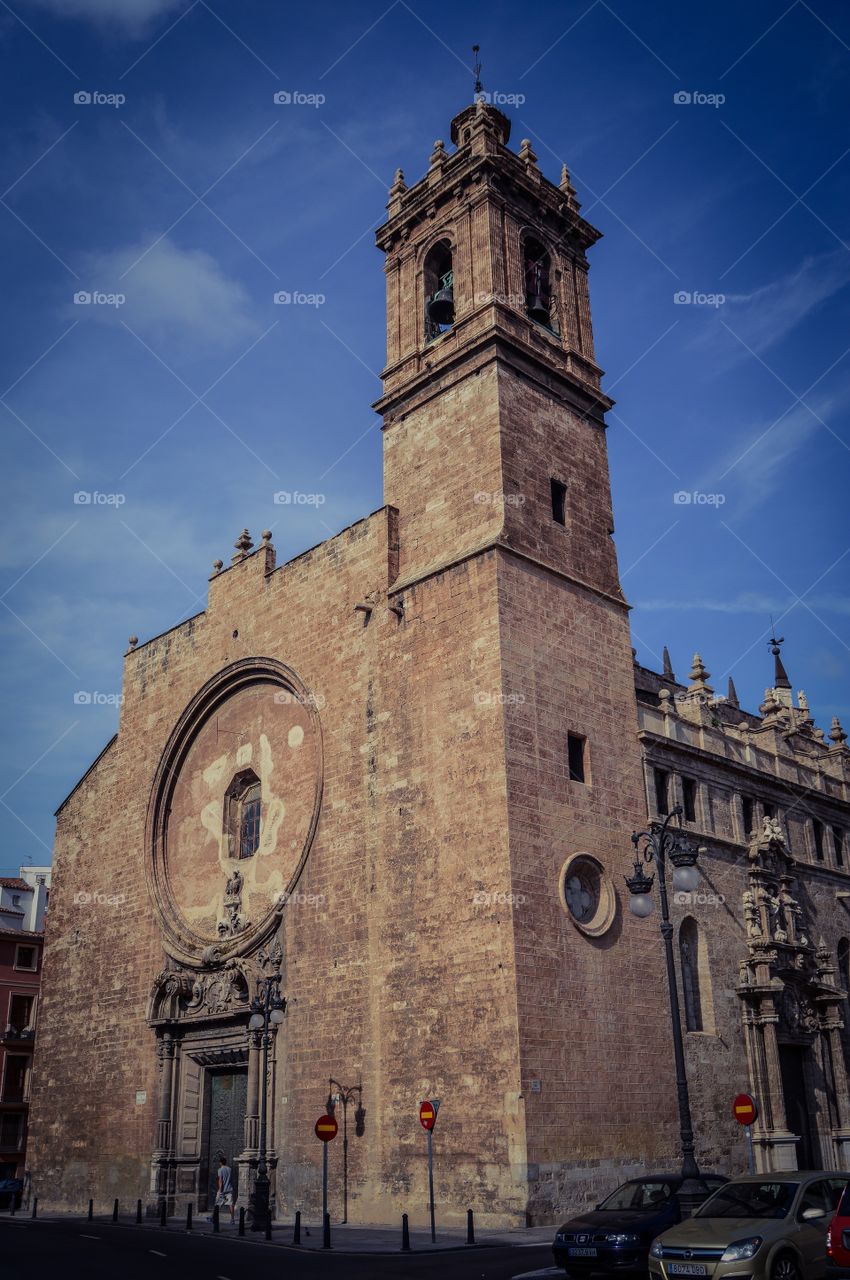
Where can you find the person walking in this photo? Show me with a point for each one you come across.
(224, 1188)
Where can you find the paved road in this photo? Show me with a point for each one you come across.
(101, 1251)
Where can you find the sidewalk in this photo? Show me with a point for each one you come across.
(348, 1238)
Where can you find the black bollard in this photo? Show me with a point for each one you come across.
(189, 1216)
(242, 1221)
(91, 1210)
(215, 1217)
(296, 1234)
(269, 1225)
(138, 1212)
(326, 1232)
(405, 1234)
(163, 1212)
(35, 1207)
(470, 1228)
(12, 1206)
(115, 1212)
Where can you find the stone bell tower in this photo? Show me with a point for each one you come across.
(495, 454)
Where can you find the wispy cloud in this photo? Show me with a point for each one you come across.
(133, 16)
(170, 294)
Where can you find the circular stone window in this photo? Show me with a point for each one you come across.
(587, 894)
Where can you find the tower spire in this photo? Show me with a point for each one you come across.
(780, 675)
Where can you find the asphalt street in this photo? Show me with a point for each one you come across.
(101, 1251)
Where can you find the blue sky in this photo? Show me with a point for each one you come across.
(197, 398)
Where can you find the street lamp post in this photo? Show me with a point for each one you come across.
(344, 1095)
(267, 1011)
(656, 845)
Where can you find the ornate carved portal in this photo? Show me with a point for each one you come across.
(791, 1009)
(205, 1049)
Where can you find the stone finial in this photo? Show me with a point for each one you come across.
(699, 677)
(218, 565)
(133, 641)
(438, 155)
(771, 704)
(526, 154)
(666, 702)
(399, 185)
(667, 666)
(243, 545)
(732, 695)
(818, 733)
(836, 733)
(266, 536)
(568, 189)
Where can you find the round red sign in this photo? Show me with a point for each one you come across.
(427, 1115)
(744, 1109)
(326, 1128)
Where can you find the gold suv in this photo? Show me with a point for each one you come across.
(764, 1227)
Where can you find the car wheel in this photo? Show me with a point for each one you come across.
(785, 1268)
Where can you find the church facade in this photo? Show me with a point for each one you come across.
(401, 771)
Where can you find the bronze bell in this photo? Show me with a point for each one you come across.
(537, 309)
(441, 308)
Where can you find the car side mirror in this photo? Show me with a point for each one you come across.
(810, 1215)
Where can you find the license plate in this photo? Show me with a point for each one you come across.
(581, 1253)
(687, 1269)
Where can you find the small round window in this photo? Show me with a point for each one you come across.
(587, 894)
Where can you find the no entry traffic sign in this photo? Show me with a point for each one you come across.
(427, 1115)
(744, 1109)
(326, 1128)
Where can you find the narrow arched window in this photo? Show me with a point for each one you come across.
(439, 290)
(243, 815)
(537, 271)
(689, 956)
(249, 822)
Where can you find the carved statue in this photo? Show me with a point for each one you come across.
(751, 915)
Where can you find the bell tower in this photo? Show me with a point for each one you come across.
(492, 404)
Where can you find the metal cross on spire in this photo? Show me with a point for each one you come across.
(476, 70)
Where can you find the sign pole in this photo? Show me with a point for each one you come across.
(745, 1110)
(324, 1182)
(751, 1158)
(431, 1185)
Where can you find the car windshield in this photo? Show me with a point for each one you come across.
(641, 1194)
(749, 1200)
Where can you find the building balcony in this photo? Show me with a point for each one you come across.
(18, 1035)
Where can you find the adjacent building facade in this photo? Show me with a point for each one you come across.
(402, 771)
(23, 905)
